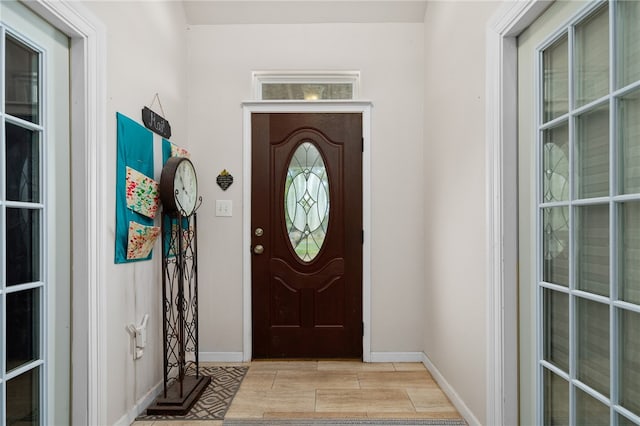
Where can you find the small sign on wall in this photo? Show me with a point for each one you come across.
(156, 123)
(224, 180)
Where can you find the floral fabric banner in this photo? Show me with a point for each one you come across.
(177, 151)
(143, 195)
(141, 240)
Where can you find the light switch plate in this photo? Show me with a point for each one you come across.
(224, 208)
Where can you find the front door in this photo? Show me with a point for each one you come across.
(306, 218)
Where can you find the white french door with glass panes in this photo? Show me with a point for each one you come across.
(579, 166)
(34, 220)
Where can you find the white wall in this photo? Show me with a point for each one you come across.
(454, 181)
(390, 58)
(145, 55)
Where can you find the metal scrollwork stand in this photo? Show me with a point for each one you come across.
(183, 383)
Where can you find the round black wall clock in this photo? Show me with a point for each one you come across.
(179, 186)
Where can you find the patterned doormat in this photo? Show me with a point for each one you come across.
(346, 422)
(216, 398)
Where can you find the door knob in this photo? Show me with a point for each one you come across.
(259, 249)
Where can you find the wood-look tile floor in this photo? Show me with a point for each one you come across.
(334, 390)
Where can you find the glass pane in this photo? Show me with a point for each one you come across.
(590, 411)
(592, 248)
(555, 64)
(307, 91)
(556, 400)
(630, 361)
(629, 131)
(623, 421)
(23, 399)
(593, 344)
(21, 83)
(628, 42)
(592, 57)
(555, 242)
(23, 316)
(23, 246)
(629, 235)
(306, 201)
(556, 329)
(555, 164)
(23, 164)
(592, 153)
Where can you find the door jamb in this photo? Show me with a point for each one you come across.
(502, 370)
(363, 107)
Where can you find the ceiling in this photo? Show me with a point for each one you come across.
(220, 12)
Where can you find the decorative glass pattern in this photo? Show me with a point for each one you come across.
(306, 201)
(555, 164)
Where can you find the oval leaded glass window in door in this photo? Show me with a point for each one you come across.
(306, 201)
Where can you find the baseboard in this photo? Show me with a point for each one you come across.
(453, 396)
(140, 406)
(396, 356)
(220, 356)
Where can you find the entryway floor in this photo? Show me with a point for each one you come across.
(333, 390)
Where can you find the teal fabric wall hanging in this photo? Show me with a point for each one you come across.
(134, 150)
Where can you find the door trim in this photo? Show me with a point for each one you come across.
(88, 160)
(250, 107)
(501, 87)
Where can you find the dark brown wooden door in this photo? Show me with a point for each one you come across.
(306, 218)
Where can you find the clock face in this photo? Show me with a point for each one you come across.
(185, 185)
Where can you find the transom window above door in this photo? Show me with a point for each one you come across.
(307, 86)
